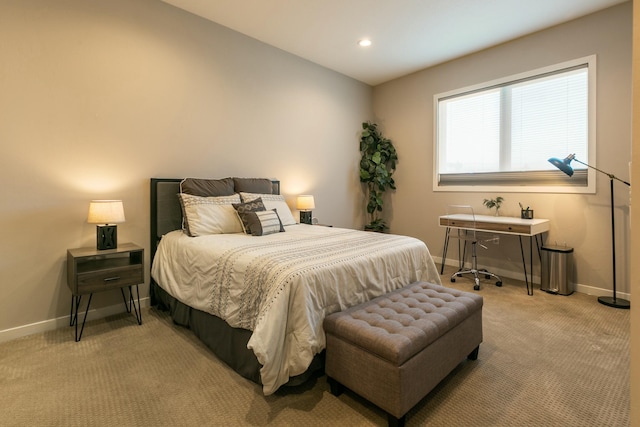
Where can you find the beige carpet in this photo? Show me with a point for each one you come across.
(546, 360)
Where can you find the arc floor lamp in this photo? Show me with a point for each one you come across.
(564, 166)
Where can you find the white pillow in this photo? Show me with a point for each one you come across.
(273, 201)
(210, 215)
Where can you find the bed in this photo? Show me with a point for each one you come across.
(258, 300)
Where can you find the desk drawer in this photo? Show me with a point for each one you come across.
(96, 281)
(509, 228)
(457, 223)
(497, 227)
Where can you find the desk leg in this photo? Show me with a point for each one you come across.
(539, 244)
(444, 250)
(524, 266)
(531, 263)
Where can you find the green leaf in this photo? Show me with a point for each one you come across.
(376, 157)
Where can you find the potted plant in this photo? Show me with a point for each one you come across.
(377, 165)
(494, 203)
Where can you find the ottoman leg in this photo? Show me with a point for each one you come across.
(336, 387)
(474, 354)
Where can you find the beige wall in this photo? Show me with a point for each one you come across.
(97, 97)
(635, 224)
(404, 109)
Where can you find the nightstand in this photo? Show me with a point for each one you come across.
(90, 270)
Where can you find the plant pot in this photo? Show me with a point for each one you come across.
(376, 229)
(526, 214)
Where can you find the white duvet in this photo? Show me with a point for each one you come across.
(281, 286)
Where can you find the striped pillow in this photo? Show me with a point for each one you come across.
(243, 209)
(264, 222)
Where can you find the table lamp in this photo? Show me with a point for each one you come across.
(106, 213)
(564, 166)
(305, 204)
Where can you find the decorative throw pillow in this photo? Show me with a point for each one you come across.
(273, 201)
(264, 222)
(244, 208)
(210, 215)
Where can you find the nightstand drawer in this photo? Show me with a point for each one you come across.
(95, 281)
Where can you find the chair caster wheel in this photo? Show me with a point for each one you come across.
(498, 284)
(486, 276)
(453, 280)
(476, 287)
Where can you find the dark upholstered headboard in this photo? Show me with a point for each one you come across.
(166, 213)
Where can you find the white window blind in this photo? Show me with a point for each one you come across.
(503, 133)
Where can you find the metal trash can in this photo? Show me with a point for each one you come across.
(557, 270)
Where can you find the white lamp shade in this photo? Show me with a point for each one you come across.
(305, 203)
(105, 212)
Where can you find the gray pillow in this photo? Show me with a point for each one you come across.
(253, 185)
(207, 187)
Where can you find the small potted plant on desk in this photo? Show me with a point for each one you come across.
(494, 203)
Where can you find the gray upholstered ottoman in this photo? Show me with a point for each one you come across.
(395, 349)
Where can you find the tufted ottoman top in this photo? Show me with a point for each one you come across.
(399, 324)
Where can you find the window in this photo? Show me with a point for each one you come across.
(500, 135)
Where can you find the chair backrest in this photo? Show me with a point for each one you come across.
(462, 219)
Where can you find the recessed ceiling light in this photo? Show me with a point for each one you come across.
(364, 42)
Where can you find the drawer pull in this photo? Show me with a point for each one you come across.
(111, 279)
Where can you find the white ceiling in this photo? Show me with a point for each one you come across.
(407, 35)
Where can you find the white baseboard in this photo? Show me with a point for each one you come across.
(585, 289)
(51, 324)
(600, 292)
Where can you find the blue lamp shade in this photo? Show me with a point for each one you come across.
(106, 213)
(564, 164)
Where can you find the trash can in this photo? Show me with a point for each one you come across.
(557, 270)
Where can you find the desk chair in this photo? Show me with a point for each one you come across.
(471, 235)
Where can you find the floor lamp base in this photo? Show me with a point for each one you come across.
(614, 302)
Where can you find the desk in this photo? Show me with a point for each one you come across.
(501, 225)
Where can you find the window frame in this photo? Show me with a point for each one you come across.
(551, 177)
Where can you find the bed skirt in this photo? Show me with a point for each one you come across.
(227, 343)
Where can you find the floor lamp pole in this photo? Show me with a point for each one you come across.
(613, 301)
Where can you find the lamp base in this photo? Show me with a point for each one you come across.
(106, 237)
(614, 302)
(305, 217)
